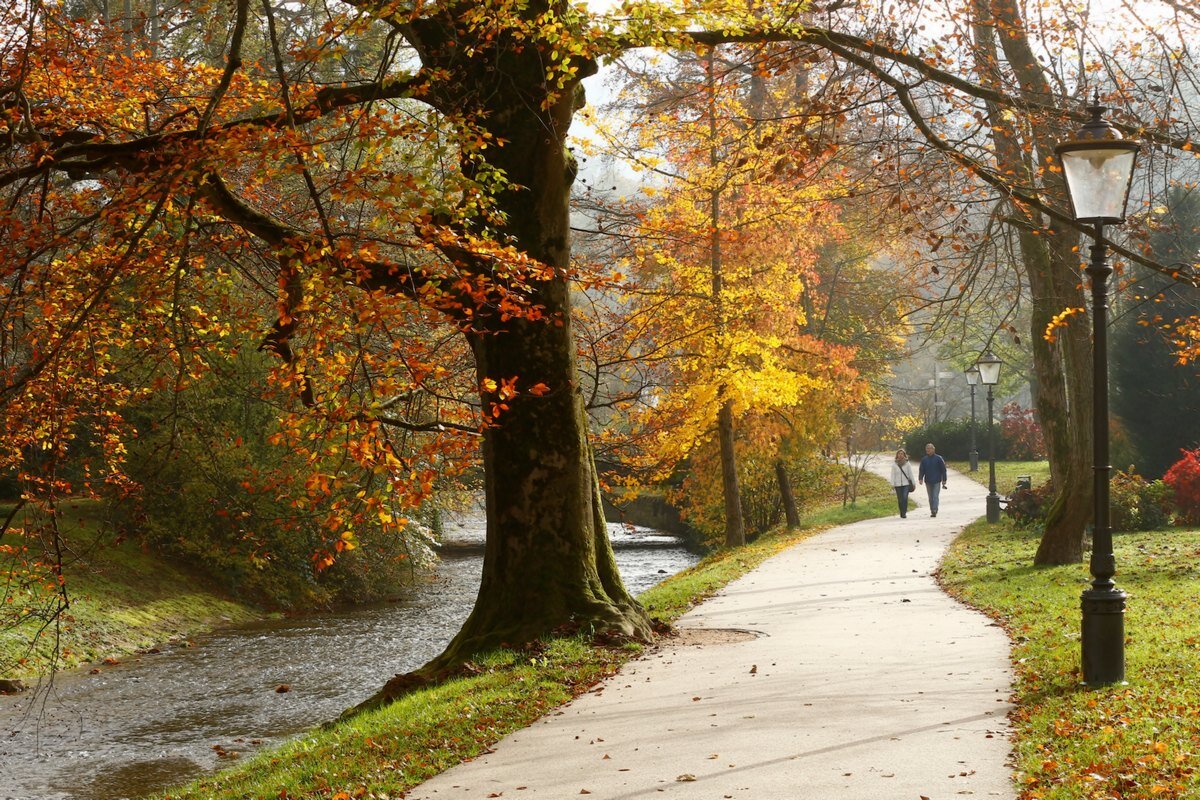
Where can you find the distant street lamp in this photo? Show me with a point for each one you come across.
(989, 375)
(1098, 165)
(973, 381)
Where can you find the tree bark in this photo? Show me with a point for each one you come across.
(785, 493)
(1062, 372)
(735, 526)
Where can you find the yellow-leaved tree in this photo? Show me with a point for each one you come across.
(723, 267)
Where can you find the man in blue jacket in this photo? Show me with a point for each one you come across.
(933, 474)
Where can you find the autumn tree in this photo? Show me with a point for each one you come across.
(722, 278)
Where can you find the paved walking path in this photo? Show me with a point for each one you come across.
(861, 681)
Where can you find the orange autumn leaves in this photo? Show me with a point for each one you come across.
(132, 280)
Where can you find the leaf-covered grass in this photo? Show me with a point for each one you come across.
(122, 599)
(1071, 742)
(385, 752)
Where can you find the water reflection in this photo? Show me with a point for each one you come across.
(158, 719)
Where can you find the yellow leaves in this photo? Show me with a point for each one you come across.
(1060, 320)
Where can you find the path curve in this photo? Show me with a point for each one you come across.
(854, 678)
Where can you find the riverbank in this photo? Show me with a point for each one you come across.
(123, 600)
(390, 750)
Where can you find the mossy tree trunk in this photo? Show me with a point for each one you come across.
(548, 562)
(1062, 369)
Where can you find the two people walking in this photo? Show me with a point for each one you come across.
(931, 472)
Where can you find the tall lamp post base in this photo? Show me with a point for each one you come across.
(973, 459)
(1103, 640)
(993, 508)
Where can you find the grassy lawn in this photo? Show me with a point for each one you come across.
(121, 600)
(385, 752)
(1006, 472)
(1073, 743)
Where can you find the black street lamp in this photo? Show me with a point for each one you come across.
(989, 375)
(973, 381)
(1098, 166)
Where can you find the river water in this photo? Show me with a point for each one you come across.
(158, 719)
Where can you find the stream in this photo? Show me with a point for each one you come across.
(156, 720)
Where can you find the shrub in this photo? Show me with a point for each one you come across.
(1021, 433)
(216, 494)
(1027, 507)
(1137, 504)
(1018, 436)
(1156, 505)
(1184, 479)
(951, 437)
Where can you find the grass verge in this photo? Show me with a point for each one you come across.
(1071, 742)
(1006, 472)
(383, 753)
(122, 600)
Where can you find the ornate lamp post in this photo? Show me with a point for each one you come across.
(989, 375)
(973, 381)
(1098, 166)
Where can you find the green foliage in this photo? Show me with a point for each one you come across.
(1136, 504)
(952, 438)
(762, 503)
(123, 599)
(1017, 433)
(216, 493)
(701, 501)
(1134, 742)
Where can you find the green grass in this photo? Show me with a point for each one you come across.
(1006, 472)
(121, 600)
(384, 752)
(1073, 743)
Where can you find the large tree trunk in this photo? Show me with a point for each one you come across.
(1064, 402)
(1062, 371)
(548, 562)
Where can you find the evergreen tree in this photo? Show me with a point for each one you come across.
(1154, 396)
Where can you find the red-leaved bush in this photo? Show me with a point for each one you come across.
(1184, 479)
(1021, 431)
